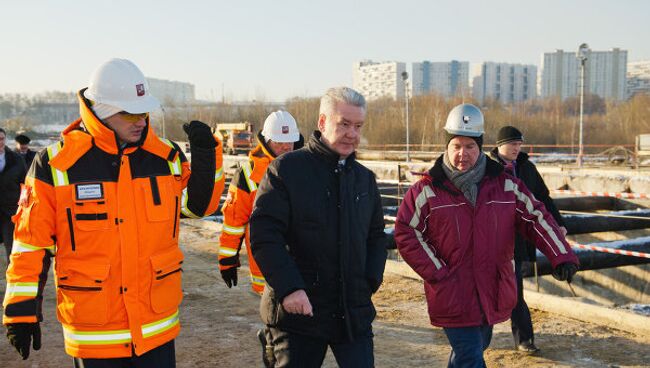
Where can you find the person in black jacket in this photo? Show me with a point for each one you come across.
(12, 174)
(317, 233)
(22, 148)
(508, 153)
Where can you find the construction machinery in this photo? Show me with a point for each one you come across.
(236, 137)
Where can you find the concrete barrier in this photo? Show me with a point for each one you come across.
(588, 312)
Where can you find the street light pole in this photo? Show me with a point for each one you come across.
(405, 77)
(582, 56)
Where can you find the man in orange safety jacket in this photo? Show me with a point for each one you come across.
(279, 135)
(105, 203)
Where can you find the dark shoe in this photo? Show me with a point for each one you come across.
(528, 347)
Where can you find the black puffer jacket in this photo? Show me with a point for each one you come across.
(527, 172)
(10, 179)
(319, 227)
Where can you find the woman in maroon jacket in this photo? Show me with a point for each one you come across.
(456, 229)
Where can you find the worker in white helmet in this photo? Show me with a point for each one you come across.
(279, 135)
(105, 202)
(456, 228)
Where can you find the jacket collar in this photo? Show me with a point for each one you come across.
(521, 157)
(11, 157)
(437, 174)
(80, 136)
(325, 153)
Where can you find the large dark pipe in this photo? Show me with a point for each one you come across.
(593, 204)
(593, 260)
(584, 224)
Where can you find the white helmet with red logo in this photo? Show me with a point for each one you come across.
(466, 120)
(281, 127)
(120, 83)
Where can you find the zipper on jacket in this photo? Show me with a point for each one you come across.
(155, 192)
(175, 216)
(71, 228)
(169, 273)
(80, 288)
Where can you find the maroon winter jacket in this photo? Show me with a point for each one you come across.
(465, 253)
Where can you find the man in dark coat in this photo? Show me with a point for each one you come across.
(12, 174)
(22, 148)
(508, 153)
(317, 233)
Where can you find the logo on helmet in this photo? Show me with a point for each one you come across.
(139, 88)
(466, 119)
(285, 129)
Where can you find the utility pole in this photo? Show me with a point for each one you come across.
(582, 56)
(405, 77)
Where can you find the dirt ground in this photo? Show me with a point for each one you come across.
(219, 326)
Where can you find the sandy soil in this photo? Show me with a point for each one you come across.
(219, 326)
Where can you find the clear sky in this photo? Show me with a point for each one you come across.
(271, 50)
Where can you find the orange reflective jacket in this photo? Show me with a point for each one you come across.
(237, 209)
(110, 218)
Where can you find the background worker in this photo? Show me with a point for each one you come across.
(12, 174)
(516, 163)
(279, 135)
(456, 229)
(22, 147)
(317, 233)
(105, 203)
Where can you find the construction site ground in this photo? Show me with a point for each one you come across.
(219, 326)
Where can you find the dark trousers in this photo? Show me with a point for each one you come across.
(520, 321)
(163, 356)
(7, 228)
(300, 351)
(467, 345)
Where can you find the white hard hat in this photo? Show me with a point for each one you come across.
(119, 83)
(465, 120)
(281, 127)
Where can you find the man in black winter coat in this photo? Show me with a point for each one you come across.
(22, 148)
(508, 153)
(317, 233)
(12, 174)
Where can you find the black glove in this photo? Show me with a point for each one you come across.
(230, 276)
(199, 134)
(565, 271)
(20, 336)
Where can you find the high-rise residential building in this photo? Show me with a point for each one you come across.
(167, 91)
(444, 78)
(638, 77)
(604, 74)
(506, 83)
(379, 79)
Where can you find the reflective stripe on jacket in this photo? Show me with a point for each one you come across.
(110, 217)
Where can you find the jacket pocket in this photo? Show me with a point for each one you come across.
(159, 199)
(293, 321)
(166, 290)
(82, 294)
(507, 284)
(90, 215)
(362, 203)
(445, 301)
(361, 319)
(21, 218)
